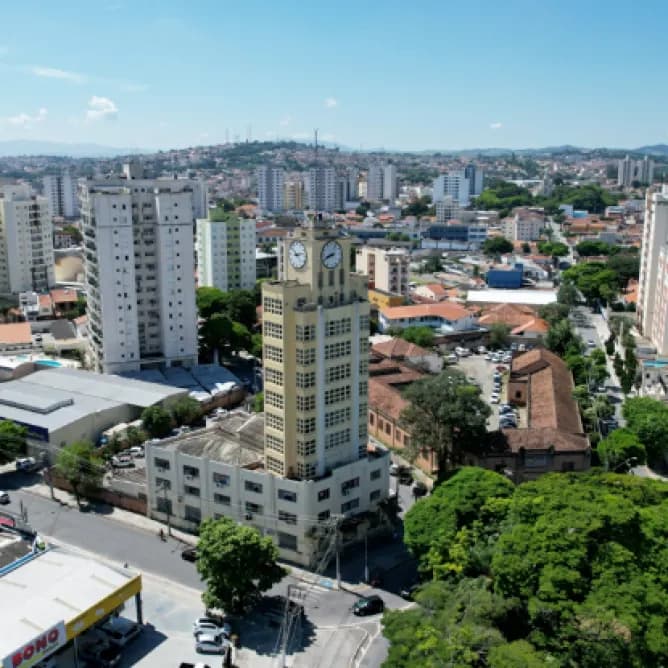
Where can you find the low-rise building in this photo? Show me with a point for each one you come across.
(387, 269)
(506, 277)
(520, 320)
(15, 337)
(444, 317)
(526, 225)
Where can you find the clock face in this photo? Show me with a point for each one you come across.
(332, 254)
(297, 254)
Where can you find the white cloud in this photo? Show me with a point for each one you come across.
(55, 73)
(496, 125)
(285, 121)
(101, 108)
(331, 102)
(26, 120)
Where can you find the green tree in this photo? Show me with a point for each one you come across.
(363, 209)
(420, 336)
(594, 247)
(432, 265)
(561, 339)
(418, 207)
(617, 450)
(236, 563)
(526, 248)
(497, 246)
(499, 336)
(553, 312)
(258, 402)
(210, 300)
(567, 295)
(553, 248)
(446, 415)
(217, 333)
(12, 441)
(157, 421)
(648, 420)
(80, 465)
(517, 654)
(186, 410)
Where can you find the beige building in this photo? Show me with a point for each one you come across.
(316, 331)
(387, 270)
(293, 195)
(525, 225)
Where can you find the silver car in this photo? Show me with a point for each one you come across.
(209, 643)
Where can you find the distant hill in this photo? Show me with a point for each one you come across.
(20, 147)
(654, 149)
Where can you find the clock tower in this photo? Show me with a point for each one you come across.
(315, 335)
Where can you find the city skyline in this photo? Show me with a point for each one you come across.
(470, 76)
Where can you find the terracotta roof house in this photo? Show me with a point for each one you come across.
(434, 292)
(522, 320)
(398, 349)
(553, 439)
(443, 317)
(15, 336)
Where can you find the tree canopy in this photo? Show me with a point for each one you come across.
(12, 441)
(157, 421)
(648, 419)
(567, 570)
(236, 563)
(621, 450)
(497, 246)
(446, 415)
(81, 466)
(186, 410)
(595, 280)
(420, 336)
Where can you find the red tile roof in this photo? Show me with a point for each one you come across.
(446, 310)
(398, 349)
(15, 333)
(63, 296)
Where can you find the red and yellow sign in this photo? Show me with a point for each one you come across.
(38, 648)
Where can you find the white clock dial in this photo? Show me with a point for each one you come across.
(297, 254)
(331, 254)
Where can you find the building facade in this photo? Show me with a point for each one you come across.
(475, 175)
(390, 183)
(387, 269)
(139, 273)
(61, 191)
(226, 251)
(293, 195)
(455, 184)
(26, 242)
(525, 225)
(629, 171)
(374, 183)
(652, 308)
(270, 187)
(322, 188)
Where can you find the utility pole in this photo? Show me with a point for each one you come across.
(338, 553)
(366, 559)
(168, 507)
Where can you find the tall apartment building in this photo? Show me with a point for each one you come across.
(629, 171)
(387, 270)
(475, 175)
(316, 329)
(139, 272)
(293, 195)
(322, 188)
(374, 183)
(26, 241)
(652, 312)
(455, 184)
(270, 185)
(446, 209)
(525, 225)
(61, 191)
(352, 189)
(390, 183)
(226, 251)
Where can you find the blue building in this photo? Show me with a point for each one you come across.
(506, 278)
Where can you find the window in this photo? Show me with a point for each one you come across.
(273, 376)
(324, 515)
(332, 418)
(274, 421)
(323, 494)
(272, 330)
(306, 403)
(364, 388)
(222, 499)
(287, 541)
(164, 505)
(161, 464)
(335, 373)
(337, 439)
(190, 471)
(305, 356)
(337, 394)
(305, 425)
(289, 518)
(375, 475)
(305, 332)
(253, 508)
(274, 443)
(251, 486)
(274, 465)
(189, 489)
(163, 483)
(375, 495)
(350, 505)
(273, 353)
(364, 322)
(340, 349)
(338, 327)
(305, 380)
(306, 448)
(287, 495)
(273, 399)
(221, 479)
(362, 410)
(364, 367)
(192, 514)
(305, 470)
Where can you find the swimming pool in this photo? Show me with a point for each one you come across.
(53, 363)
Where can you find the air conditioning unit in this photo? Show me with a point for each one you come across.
(189, 477)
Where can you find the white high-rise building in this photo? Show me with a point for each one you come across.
(629, 171)
(26, 241)
(454, 184)
(390, 183)
(226, 251)
(139, 272)
(270, 187)
(322, 188)
(61, 191)
(653, 282)
(374, 183)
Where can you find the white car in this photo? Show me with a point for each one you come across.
(209, 625)
(4, 497)
(494, 399)
(482, 350)
(452, 358)
(489, 357)
(210, 643)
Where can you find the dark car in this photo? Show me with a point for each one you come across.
(368, 605)
(376, 577)
(419, 489)
(407, 592)
(189, 554)
(405, 477)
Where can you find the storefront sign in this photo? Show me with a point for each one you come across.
(38, 648)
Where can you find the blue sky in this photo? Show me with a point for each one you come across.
(369, 73)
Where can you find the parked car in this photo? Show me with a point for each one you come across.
(122, 462)
(211, 625)
(368, 605)
(482, 350)
(26, 464)
(522, 347)
(4, 498)
(462, 352)
(121, 631)
(418, 488)
(137, 451)
(489, 356)
(406, 477)
(452, 358)
(591, 343)
(408, 592)
(100, 652)
(394, 469)
(494, 399)
(211, 643)
(189, 554)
